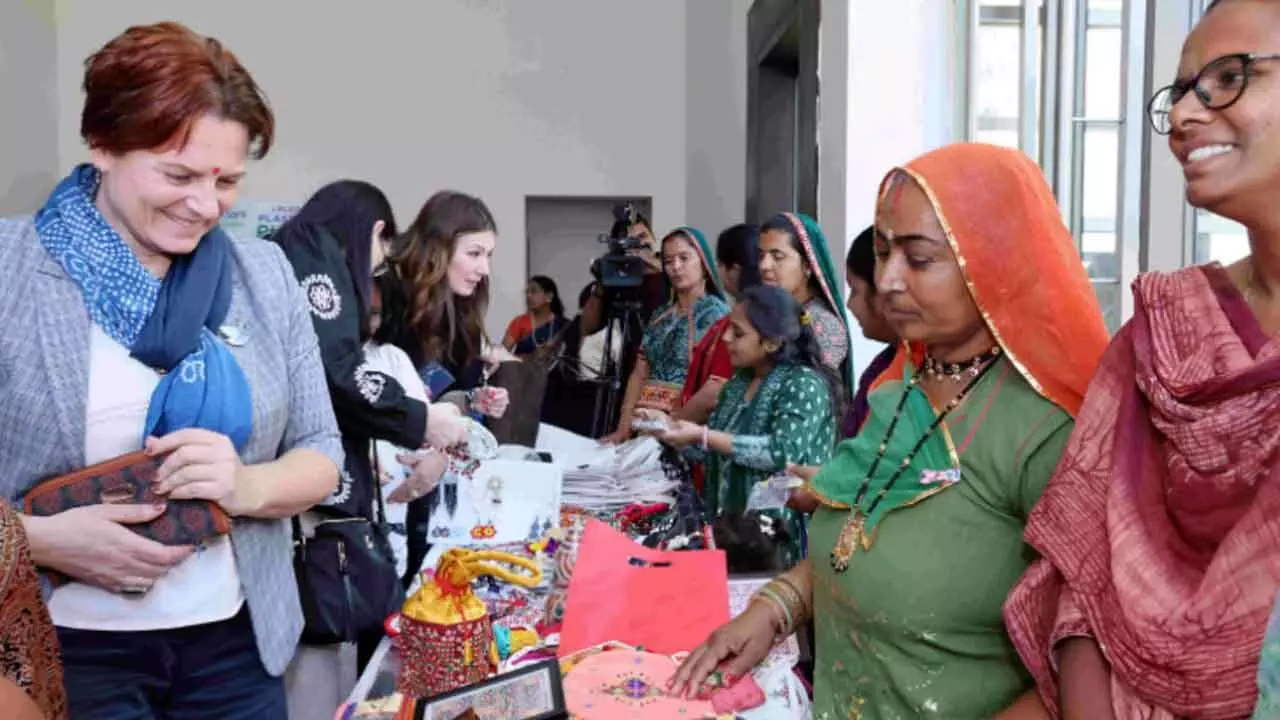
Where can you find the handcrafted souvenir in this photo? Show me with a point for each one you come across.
(533, 692)
(627, 684)
(497, 502)
(566, 555)
(446, 639)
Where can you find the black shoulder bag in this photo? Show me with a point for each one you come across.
(346, 572)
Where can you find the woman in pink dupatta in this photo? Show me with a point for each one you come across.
(1160, 533)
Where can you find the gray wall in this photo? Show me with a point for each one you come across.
(28, 121)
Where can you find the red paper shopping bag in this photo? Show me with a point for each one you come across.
(665, 602)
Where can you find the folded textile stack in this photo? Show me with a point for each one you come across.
(609, 478)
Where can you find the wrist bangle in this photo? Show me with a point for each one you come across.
(705, 433)
(785, 621)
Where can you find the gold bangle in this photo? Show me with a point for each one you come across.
(787, 594)
(802, 611)
(782, 617)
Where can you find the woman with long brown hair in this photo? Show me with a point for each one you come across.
(443, 260)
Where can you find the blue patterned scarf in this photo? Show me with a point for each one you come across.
(168, 325)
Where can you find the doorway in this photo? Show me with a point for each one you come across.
(782, 108)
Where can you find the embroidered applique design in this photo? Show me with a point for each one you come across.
(949, 476)
(322, 295)
(370, 383)
(635, 688)
(343, 491)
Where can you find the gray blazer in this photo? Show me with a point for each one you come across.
(44, 375)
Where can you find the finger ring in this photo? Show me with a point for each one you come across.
(135, 586)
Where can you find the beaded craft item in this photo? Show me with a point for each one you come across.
(446, 639)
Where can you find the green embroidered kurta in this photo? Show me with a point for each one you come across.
(789, 421)
(913, 628)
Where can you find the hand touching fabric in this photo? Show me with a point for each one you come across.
(733, 650)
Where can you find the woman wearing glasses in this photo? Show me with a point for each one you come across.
(1160, 532)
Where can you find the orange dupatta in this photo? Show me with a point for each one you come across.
(1020, 263)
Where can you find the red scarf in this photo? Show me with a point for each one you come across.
(1160, 532)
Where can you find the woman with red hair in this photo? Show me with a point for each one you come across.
(133, 322)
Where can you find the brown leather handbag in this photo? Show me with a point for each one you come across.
(129, 479)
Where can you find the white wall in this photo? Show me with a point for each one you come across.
(501, 99)
(28, 75)
(716, 111)
(899, 102)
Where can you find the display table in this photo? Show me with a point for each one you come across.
(376, 687)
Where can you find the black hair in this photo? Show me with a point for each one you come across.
(739, 246)
(346, 210)
(709, 276)
(778, 317)
(549, 287)
(861, 260)
(752, 542)
(781, 223)
(395, 328)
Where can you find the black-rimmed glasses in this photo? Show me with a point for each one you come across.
(1218, 86)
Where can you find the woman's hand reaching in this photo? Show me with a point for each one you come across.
(733, 650)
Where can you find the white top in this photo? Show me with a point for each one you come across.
(205, 587)
(393, 361)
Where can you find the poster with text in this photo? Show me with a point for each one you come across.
(257, 219)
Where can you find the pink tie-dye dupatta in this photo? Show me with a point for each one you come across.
(1160, 533)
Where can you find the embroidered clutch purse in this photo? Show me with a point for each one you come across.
(128, 479)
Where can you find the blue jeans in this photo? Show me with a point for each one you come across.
(203, 671)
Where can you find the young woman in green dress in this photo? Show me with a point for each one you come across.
(918, 535)
(775, 411)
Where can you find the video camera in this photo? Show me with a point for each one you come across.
(620, 267)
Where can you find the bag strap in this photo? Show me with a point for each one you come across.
(298, 537)
(380, 509)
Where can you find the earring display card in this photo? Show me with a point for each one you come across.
(495, 502)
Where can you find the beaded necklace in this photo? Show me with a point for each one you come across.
(955, 372)
(853, 533)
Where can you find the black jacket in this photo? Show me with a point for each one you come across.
(369, 404)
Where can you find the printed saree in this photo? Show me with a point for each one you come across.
(28, 643)
(671, 336)
(937, 556)
(1160, 533)
(710, 359)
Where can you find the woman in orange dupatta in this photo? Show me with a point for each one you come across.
(917, 538)
(1160, 533)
